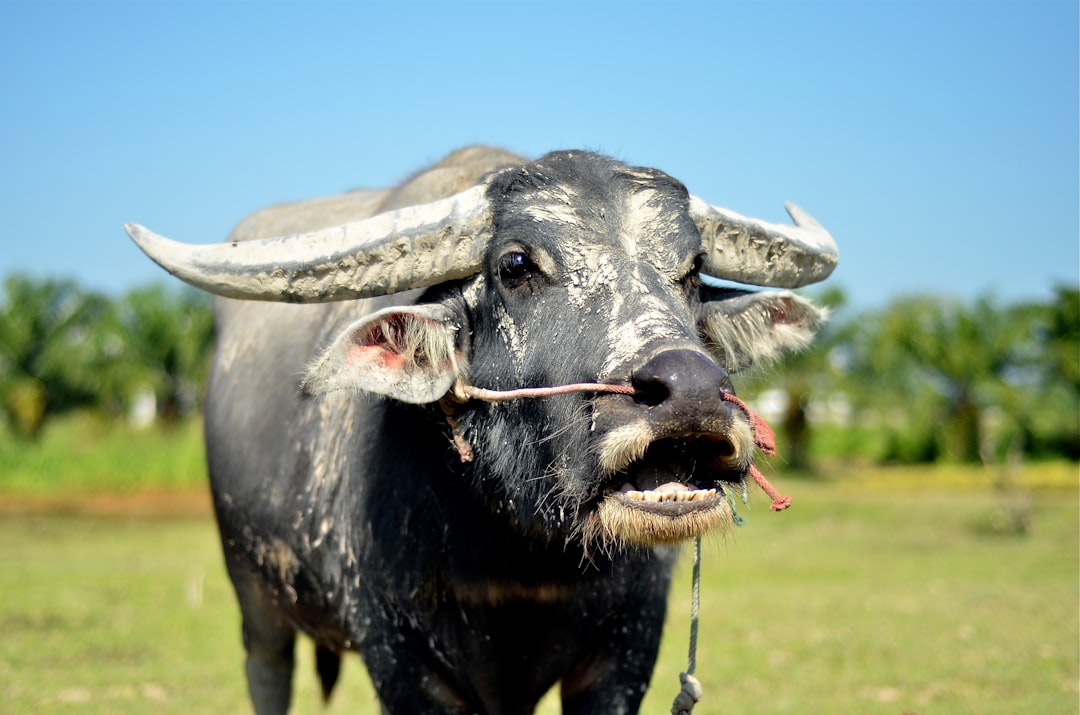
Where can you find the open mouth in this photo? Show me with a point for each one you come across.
(677, 490)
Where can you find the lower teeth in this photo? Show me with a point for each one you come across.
(679, 496)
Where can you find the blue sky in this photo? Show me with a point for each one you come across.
(938, 141)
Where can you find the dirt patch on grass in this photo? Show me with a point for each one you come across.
(148, 504)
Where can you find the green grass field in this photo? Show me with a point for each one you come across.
(82, 453)
(880, 592)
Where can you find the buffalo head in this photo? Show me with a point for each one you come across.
(571, 269)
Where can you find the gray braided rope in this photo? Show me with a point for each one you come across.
(690, 692)
(695, 607)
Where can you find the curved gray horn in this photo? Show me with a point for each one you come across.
(756, 252)
(413, 247)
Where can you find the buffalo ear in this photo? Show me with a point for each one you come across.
(409, 353)
(745, 328)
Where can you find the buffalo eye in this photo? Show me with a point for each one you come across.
(516, 268)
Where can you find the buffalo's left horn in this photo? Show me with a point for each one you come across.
(413, 247)
(760, 253)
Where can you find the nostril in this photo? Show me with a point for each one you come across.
(725, 448)
(649, 392)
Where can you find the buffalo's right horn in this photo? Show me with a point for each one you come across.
(413, 247)
(757, 252)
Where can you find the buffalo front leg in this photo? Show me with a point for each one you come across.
(270, 644)
(612, 682)
(615, 674)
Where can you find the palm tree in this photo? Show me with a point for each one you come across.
(1052, 365)
(49, 358)
(945, 368)
(168, 333)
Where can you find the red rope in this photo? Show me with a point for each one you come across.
(765, 439)
(479, 393)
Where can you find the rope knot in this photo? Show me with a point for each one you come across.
(688, 697)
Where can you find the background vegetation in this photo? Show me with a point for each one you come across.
(931, 564)
(921, 380)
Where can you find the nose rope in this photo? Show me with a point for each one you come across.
(479, 393)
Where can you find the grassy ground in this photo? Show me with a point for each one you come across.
(84, 454)
(880, 592)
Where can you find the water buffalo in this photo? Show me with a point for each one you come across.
(477, 552)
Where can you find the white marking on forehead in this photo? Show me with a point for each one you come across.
(592, 273)
(554, 203)
(638, 324)
(638, 213)
(643, 174)
(553, 212)
(619, 285)
(648, 228)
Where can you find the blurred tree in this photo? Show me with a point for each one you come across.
(808, 376)
(49, 356)
(917, 360)
(951, 372)
(168, 335)
(1051, 372)
(936, 377)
